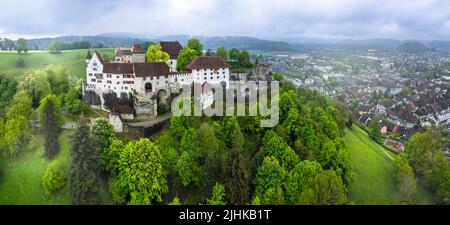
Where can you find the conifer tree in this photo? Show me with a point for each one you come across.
(50, 120)
(236, 178)
(84, 168)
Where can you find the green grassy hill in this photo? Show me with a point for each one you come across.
(21, 182)
(373, 172)
(73, 60)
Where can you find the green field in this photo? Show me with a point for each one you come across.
(21, 182)
(73, 61)
(373, 172)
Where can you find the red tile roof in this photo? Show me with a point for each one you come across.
(151, 69)
(99, 55)
(122, 52)
(172, 48)
(118, 68)
(207, 62)
(89, 55)
(137, 49)
(139, 69)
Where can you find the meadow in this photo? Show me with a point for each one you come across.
(22, 176)
(72, 60)
(374, 182)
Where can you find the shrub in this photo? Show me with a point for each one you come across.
(20, 63)
(54, 177)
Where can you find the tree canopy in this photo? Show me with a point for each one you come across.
(186, 56)
(156, 54)
(195, 44)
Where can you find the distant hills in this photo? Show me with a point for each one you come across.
(214, 42)
(122, 39)
(369, 43)
(413, 47)
(125, 39)
(43, 43)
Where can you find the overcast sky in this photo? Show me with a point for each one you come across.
(400, 19)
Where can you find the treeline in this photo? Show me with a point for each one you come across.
(21, 45)
(57, 46)
(425, 162)
(95, 41)
(7, 44)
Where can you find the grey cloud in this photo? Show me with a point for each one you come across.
(424, 19)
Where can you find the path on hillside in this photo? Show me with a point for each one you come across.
(358, 129)
(150, 122)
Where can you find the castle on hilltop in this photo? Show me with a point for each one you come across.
(128, 85)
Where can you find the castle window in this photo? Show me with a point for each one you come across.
(148, 87)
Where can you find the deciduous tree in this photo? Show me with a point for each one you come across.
(141, 179)
(102, 134)
(218, 195)
(234, 54)
(156, 54)
(325, 189)
(299, 178)
(223, 53)
(406, 182)
(269, 182)
(195, 44)
(22, 45)
(186, 56)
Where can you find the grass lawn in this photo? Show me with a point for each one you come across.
(22, 183)
(72, 60)
(373, 172)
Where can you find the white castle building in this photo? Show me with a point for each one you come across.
(130, 75)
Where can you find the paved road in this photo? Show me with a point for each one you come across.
(151, 122)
